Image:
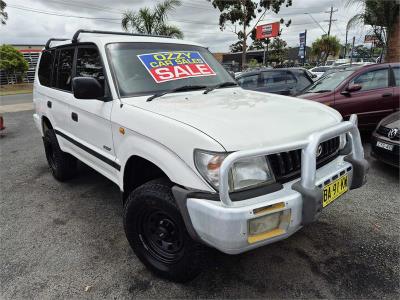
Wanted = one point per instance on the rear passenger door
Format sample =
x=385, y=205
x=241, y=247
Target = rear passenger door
x=60, y=94
x=90, y=119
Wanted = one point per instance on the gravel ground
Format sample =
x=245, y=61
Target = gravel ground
x=58, y=238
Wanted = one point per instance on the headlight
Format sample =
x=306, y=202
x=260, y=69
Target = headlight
x=245, y=173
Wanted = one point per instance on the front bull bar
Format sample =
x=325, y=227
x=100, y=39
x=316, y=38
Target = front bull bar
x=312, y=195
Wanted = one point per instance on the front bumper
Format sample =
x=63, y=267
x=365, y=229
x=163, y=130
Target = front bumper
x=224, y=224
x=386, y=156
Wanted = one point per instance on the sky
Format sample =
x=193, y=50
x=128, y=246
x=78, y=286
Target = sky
x=35, y=21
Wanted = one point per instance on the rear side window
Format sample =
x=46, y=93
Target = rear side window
x=64, y=72
x=45, y=68
x=277, y=78
x=248, y=81
x=88, y=64
x=396, y=72
x=372, y=80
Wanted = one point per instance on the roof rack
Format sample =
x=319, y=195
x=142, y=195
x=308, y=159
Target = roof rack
x=52, y=40
x=76, y=35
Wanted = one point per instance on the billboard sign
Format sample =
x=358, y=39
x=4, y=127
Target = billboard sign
x=370, y=38
x=267, y=30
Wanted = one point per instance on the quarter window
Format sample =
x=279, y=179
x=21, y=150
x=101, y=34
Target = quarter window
x=45, y=67
x=371, y=80
x=65, y=62
x=88, y=64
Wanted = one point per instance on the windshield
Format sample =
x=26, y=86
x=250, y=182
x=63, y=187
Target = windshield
x=329, y=82
x=150, y=68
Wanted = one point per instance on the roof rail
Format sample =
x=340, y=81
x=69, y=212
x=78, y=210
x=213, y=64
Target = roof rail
x=52, y=40
x=76, y=35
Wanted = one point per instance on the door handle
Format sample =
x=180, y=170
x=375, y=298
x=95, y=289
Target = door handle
x=387, y=95
x=49, y=104
x=74, y=116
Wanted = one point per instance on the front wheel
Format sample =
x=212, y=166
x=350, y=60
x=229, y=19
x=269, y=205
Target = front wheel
x=157, y=234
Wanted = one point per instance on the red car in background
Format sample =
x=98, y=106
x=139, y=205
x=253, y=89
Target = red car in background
x=372, y=92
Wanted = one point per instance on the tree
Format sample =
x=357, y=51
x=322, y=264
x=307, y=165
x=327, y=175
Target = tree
x=236, y=47
x=242, y=13
x=278, y=50
x=3, y=13
x=12, y=62
x=152, y=21
x=324, y=46
x=383, y=17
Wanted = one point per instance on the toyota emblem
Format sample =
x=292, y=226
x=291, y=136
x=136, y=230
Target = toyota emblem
x=319, y=150
x=392, y=133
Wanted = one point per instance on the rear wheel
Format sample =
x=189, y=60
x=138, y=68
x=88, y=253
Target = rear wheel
x=157, y=234
x=62, y=165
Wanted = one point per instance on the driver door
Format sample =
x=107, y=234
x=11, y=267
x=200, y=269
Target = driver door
x=90, y=119
x=372, y=102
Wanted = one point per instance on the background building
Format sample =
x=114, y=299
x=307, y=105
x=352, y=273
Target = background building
x=31, y=54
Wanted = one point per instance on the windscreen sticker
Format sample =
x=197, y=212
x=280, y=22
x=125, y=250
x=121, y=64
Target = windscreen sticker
x=174, y=65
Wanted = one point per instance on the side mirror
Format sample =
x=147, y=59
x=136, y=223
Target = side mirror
x=351, y=89
x=87, y=88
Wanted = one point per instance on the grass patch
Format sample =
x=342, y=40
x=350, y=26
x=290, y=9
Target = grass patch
x=15, y=89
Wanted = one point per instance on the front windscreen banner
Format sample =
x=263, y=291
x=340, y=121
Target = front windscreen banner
x=174, y=65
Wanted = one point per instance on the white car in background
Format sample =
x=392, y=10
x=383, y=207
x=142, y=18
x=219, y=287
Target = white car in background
x=319, y=71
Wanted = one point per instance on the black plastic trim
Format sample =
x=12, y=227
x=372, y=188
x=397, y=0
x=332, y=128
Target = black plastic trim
x=90, y=151
x=240, y=195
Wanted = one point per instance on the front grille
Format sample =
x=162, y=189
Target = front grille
x=287, y=165
x=382, y=130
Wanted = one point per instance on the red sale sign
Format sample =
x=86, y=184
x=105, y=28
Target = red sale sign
x=267, y=30
x=174, y=65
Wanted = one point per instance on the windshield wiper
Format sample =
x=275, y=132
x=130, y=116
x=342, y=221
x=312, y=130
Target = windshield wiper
x=178, y=89
x=221, y=85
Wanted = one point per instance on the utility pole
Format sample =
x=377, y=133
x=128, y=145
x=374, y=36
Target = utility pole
x=330, y=19
x=352, y=51
x=345, y=45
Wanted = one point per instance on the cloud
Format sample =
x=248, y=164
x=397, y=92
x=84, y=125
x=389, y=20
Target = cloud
x=198, y=20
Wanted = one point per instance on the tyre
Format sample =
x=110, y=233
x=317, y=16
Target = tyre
x=62, y=165
x=157, y=234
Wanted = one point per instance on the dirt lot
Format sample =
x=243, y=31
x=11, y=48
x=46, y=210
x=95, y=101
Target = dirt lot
x=57, y=238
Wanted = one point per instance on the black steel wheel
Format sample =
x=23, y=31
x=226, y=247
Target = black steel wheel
x=157, y=234
x=62, y=165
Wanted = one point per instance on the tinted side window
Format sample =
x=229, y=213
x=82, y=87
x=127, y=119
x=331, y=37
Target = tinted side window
x=88, y=64
x=65, y=62
x=248, y=81
x=45, y=68
x=373, y=80
x=277, y=77
x=396, y=72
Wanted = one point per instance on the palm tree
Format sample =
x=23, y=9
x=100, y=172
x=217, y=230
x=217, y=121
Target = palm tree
x=3, y=14
x=152, y=21
x=324, y=46
x=383, y=17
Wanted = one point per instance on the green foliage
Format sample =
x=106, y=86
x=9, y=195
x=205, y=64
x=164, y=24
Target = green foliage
x=3, y=13
x=152, y=21
x=236, y=47
x=253, y=63
x=12, y=61
x=278, y=50
x=242, y=13
x=324, y=46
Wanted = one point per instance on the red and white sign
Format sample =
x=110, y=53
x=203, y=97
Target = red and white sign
x=267, y=30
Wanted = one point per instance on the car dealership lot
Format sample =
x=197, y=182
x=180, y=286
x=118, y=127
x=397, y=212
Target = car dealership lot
x=56, y=239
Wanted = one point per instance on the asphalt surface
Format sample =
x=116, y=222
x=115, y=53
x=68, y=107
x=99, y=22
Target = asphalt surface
x=58, y=238
x=15, y=99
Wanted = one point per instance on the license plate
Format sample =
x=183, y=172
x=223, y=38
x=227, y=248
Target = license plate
x=334, y=190
x=384, y=146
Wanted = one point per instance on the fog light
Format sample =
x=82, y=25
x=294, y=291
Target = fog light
x=268, y=226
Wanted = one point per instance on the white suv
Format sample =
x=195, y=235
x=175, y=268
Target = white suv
x=199, y=161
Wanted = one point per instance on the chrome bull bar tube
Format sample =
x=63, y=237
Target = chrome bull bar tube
x=308, y=155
